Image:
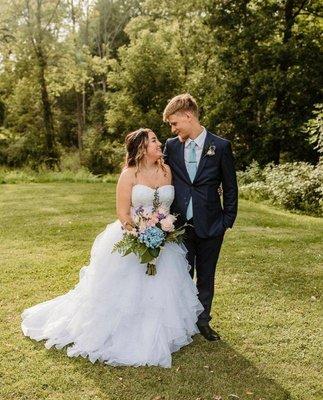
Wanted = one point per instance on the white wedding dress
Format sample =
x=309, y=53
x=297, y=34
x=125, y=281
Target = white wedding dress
x=118, y=314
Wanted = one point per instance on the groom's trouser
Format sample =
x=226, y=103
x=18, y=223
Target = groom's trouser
x=202, y=256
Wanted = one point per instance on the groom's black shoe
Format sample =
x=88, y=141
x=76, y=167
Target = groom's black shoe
x=208, y=333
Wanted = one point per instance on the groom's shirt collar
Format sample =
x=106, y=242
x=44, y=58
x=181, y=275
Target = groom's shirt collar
x=199, y=140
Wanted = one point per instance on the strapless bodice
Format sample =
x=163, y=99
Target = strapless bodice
x=143, y=195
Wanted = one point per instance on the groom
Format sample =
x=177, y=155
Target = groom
x=200, y=162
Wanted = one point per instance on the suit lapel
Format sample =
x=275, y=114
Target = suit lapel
x=207, y=142
x=181, y=160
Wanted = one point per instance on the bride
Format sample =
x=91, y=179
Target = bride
x=117, y=314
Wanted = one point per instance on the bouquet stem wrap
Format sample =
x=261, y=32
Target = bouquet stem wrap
x=151, y=269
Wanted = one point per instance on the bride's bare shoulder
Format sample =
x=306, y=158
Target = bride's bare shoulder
x=167, y=168
x=168, y=172
x=127, y=176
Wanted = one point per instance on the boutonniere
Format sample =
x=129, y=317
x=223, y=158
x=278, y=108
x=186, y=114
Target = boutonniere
x=210, y=151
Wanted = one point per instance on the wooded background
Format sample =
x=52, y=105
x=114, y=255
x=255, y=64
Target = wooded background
x=77, y=75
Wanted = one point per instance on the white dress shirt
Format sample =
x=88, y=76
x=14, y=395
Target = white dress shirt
x=198, y=148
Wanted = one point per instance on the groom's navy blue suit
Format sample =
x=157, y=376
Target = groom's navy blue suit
x=210, y=219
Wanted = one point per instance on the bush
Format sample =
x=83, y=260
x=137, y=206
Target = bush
x=70, y=160
x=13, y=148
x=28, y=175
x=294, y=186
x=102, y=156
x=253, y=173
x=17, y=150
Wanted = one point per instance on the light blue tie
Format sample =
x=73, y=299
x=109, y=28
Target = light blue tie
x=191, y=169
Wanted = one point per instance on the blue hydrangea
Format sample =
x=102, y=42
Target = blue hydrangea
x=152, y=237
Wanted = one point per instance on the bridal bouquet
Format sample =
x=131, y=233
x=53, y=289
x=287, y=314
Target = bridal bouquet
x=151, y=230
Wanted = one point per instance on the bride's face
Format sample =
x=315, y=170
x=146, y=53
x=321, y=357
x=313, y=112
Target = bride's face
x=153, y=150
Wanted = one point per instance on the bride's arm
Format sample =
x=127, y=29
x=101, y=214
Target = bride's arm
x=123, y=198
x=168, y=176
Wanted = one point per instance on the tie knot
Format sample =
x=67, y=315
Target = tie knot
x=192, y=144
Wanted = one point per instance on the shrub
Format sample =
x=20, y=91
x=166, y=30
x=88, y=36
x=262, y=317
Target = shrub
x=294, y=186
x=17, y=150
x=253, y=173
x=70, y=160
x=102, y=156
x=28, y=175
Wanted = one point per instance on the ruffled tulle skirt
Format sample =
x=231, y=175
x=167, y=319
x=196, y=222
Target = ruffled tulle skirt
x=116, y=313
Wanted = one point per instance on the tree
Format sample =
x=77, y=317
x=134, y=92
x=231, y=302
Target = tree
x=268, y=76
x=75, y=72
x=147, y=74
x=314, y=128
x=38, y=18
x=30, y=38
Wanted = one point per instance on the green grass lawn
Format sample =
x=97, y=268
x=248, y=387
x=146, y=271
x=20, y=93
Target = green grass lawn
x=267, y=305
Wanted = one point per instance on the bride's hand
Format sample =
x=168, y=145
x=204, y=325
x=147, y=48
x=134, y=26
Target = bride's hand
x=127, y=225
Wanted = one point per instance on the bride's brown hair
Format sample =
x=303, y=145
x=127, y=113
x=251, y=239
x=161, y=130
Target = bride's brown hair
x=136, y=144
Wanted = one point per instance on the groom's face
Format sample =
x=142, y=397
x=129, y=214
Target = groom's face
x=181, y=125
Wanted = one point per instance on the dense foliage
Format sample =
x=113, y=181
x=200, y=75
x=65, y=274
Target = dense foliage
x=294, y=186
x=79, y=74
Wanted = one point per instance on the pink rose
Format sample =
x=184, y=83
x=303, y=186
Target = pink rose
x=152, y=221
x=167, y=223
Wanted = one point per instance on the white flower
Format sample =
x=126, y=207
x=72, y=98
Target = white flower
x=210, y=151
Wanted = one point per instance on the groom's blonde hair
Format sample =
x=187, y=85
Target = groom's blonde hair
x=182, y=102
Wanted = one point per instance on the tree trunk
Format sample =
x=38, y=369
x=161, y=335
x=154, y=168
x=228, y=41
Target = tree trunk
x=80, y=98
x=80, y=124
x=51, y=151
x=52, y=155
x=282, y=104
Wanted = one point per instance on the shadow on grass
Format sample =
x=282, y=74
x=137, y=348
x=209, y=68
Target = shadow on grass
x=202, y=370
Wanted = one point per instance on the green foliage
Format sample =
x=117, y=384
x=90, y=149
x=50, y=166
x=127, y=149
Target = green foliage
x=17, y=150
x=267, y=78
x=26, y=175
x=22, y=137
x=148, y=74
x=177, y=235
x=96, y=111
x=110, y=66
x=70, y=161
x=101, y=155
x=130, y=244
x=253, y=173
x=294, y=186
x=314, y=127
x=105, y=29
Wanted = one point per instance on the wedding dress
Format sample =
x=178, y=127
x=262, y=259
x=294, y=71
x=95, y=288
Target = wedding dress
x=118, y=314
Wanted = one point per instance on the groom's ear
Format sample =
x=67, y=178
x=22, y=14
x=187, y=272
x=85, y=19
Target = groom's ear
x=188, y=115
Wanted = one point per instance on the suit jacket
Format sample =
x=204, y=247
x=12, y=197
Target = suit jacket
x=210, y=219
